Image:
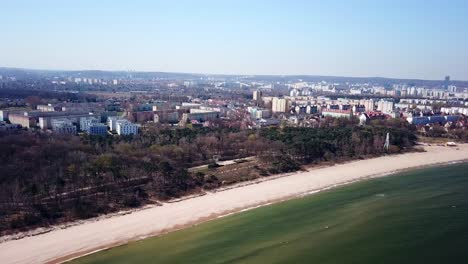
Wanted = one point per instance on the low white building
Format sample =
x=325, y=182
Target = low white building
x=259, y=113
x=46, y=108
x=112, y=122
x=3, y=115
x=337, y=113
x=87, y=122
x=188, y=106
x=125, y=127
x=201, y=115
x=454, y=110
x=63, y=126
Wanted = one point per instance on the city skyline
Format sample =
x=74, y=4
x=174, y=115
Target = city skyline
x=392, y=39
x=5, y=71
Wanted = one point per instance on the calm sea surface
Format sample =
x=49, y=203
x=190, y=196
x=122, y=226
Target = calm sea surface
x=414, y=217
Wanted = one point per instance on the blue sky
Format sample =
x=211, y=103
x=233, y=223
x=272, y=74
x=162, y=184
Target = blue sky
x=407, y=39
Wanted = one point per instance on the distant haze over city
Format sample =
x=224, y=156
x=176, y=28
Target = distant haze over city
x=41, y=73
x=396, y=39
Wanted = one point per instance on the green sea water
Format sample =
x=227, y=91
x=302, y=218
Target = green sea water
x=413, y=217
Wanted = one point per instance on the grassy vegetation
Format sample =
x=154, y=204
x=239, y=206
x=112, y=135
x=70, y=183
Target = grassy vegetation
x=417, y=217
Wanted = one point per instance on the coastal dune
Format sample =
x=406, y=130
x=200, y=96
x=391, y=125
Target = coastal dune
x=64, y=244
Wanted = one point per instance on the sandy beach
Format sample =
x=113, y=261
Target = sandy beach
x=64, y=244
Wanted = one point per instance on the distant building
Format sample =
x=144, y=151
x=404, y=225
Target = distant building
x=140, y=117
x=364, y=118
x=455, y=110
x=45, y=118
x=87, y=122
x=368, y=104
x=142, y=108
x=98, y=129
x=300, y=109
x=162, y=105
x=452, y=88
x=3, y=115
x=358, y=109
x=188, y=106
x=189, y=84
x=279, y=105
x=22, y=119
x=259, y=113
x=337, y=113
x=112, y=122
x=105, y=115
x=446, y=82
x=312, y=109
x=48, y=108
x=385, y=107
x=63, y=126
x=333, y=106
x=395, y=114
x=345, y=107
x=168, y=116
x=201, y=115
x=355, y=91
x=294, y=92
x=125, y=127
x=257, y=95
x=266, y=123
x=425, y=120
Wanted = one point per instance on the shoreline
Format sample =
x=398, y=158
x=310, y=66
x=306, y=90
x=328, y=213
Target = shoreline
x=245, y=209
x=61, y=245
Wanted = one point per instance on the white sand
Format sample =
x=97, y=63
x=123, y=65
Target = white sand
x=63, y=244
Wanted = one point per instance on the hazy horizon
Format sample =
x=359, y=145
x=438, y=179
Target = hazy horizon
x=389, y=39
x=223, y=74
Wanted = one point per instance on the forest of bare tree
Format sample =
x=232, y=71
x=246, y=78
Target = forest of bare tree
x=47, y=179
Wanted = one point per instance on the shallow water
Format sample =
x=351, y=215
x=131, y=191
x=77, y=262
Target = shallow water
x=413, y=217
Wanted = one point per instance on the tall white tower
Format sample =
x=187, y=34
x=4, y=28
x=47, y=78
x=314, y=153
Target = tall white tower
x=387, y=142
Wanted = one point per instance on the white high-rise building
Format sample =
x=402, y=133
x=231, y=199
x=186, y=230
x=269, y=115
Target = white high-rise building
x=294, y=93
x=385, y=107
x=3, y=115
x=125, y=127
x=279, y=105
x=112, y=122
x=452, y=88
x=257, y=95
x=368, y=104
